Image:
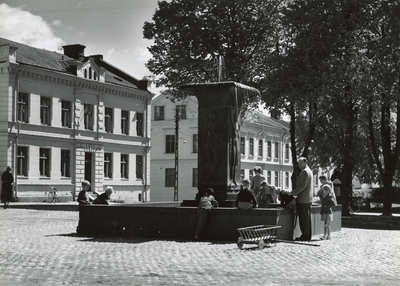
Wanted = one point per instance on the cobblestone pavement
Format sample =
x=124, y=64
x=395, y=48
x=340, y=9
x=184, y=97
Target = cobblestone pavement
x=41, y=247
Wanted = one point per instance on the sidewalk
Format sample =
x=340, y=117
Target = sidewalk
x=41, y=248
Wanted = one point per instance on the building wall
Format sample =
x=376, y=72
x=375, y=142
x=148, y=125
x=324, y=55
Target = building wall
x=160, y=160
x=34, y=135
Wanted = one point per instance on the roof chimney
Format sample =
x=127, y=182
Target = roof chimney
x=75, y=51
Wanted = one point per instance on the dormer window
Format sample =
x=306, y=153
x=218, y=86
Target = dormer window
x=90, y=73
x=85, y=73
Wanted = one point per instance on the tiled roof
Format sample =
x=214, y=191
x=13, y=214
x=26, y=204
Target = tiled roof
x=38, y=57
x=55, y=61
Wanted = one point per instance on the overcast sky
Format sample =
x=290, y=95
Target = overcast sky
x=113, y=28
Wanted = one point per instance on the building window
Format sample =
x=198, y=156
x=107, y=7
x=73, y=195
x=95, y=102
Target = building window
x=90, y=73
x=276, y=179
x=287, y=152
x=44, y=162
x=85, y=73
x=170, y=144
x=124, y=166
x=276, y=150
x=66, y=112
x=23, y=107
x=169, y=177
x=108, y=119
x=22, y=161
x=181, y=109
x=125, y=122
x=251, y=147
x=139, y=167
x=242, y=150
x=260, y=148
x=241, y=175
x=269, y=177
x=65, y=163
x=140, y=124
x=195, y=178
x=95, y=75
x=159, y=113
x=251, y=174
x=45, y=107
x=286, y=180
x=195, y=143
x=269, y=145
x=88, y=116
x=108, y=165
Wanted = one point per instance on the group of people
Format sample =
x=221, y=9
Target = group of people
x=258, y=193
x=84, y=196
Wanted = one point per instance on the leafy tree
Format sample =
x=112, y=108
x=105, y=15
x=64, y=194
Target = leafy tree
x=324, y=63
x=383, y=98
x=192, y=38
x=319, y=74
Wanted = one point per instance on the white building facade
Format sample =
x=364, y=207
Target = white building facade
x=66, y=117
x=265, y=142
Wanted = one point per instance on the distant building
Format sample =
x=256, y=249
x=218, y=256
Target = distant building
x=69, y=117
x=264, y=142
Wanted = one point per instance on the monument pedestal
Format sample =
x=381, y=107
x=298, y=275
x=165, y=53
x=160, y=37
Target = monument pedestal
x=220, y=115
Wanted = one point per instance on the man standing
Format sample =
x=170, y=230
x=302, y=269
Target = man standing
x=304, y=193
x=7, y=187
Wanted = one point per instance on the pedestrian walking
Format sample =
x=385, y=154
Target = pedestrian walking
x=207, y=202
x=7, y=187
x=326, y=210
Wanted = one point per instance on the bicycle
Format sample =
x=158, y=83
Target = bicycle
x=52, y=195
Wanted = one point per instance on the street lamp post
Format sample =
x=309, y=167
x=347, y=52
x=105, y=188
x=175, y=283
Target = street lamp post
x=177, y=118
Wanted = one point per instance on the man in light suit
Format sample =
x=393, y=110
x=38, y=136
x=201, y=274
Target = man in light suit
x=304, y=193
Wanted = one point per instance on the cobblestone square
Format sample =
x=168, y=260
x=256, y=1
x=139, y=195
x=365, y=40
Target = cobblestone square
x=40, y=247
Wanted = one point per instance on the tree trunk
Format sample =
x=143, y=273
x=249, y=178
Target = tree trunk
x=347, y=175
x=296, y=169
x=387, y=196
x=347, y=188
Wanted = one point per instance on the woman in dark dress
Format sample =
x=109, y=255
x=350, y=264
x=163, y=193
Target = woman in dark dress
x=6, y=188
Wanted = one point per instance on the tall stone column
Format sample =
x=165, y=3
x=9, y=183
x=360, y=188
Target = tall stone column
x=219, y=115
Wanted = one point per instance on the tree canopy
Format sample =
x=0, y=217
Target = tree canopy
x=191, y=38
x=332, y=66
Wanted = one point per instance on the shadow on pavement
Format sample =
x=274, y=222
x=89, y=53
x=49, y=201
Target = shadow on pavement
x=112, y=239
x=126, y=239
x=370, y=221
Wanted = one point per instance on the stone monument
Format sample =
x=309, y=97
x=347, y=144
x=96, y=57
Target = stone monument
x=219, y=115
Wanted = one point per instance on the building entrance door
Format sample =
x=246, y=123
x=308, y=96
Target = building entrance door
x=88, y=167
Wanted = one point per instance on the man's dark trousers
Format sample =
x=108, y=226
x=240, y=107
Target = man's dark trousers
x=304, y=211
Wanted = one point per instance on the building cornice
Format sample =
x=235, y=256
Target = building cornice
x=72, y=81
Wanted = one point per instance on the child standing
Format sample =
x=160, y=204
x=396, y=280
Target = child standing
x=207, y=202
x=326, y=210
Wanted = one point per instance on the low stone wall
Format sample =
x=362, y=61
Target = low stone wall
x=169, y=222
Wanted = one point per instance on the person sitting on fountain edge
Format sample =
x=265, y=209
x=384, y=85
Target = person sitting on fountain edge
x=207, y=202
x=246, y=198
x=105, y=197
